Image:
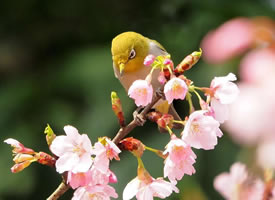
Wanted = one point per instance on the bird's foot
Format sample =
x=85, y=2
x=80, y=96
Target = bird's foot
x=160, y=93
x=139, y=119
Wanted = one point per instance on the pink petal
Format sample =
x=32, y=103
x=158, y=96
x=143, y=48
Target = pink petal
x=131, y=189
x=83, y=164
x=175, y=89
x=230, y=39
x=162, y=188
x=86, y=143
x=66, y=162
x=141, y=92
x=145, y=193
x=60, y=145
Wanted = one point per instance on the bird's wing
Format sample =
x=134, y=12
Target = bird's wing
x=156, y=48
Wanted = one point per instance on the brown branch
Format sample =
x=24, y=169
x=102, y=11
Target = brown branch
x=124, y=131
x=62, y=188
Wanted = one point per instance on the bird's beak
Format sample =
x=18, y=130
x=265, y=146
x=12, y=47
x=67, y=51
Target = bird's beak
x=121, y=68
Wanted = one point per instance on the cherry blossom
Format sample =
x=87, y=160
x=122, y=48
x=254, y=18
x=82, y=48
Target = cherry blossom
x=79, y=179
x=74, y=151
x=92, y=192
x=230, y=39
x=141, y=91
x=175, y=88
x=238, y=185
x=224, y=92
x=180, y=160
x=147, y=190
x=263, y=154
x=18, y=147
x=103, y=154
x=201, y=131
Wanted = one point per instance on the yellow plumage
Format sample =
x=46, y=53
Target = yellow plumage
x=129, y=50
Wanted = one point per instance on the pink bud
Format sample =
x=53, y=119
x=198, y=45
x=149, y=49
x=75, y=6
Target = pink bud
x=149, y=60
x=112, y=177
x=161, y=78
x=18, y=147
x=20, y=166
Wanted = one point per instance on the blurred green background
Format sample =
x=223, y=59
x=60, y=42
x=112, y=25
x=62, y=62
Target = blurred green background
x=56, y=68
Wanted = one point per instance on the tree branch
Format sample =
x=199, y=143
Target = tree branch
x=62, y=188
x=124, y=131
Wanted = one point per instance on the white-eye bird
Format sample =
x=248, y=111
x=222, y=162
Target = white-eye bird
x=129, y=50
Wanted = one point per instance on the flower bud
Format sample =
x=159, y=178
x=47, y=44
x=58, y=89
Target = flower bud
x=133, y=145
x=20, y=166
x=117, y=108
x=45, y=159
x=165, y=120
x=188, y=62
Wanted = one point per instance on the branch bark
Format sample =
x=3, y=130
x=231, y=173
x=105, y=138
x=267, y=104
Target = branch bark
x=124, y=131
x=62, y=188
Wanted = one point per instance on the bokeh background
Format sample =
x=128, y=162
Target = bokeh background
x=56, y=68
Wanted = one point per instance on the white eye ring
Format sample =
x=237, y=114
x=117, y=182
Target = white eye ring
x=132, y=54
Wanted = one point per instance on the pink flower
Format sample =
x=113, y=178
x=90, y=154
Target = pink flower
x=161, y=78
x=238, y=185
x=18, y=147
x=111, y=149
x=258, y=66
x=180, y=160
x=79, y=179
x=175, y=88
x=101, y=161
x=263, y=154
x=92, y=192
x=141, y=91
x=169, y=62
x=224, y=92
x=230, y=39
x=74, y=151
x=251, y=117
x=201, y=131
x=147, y=190
x=112, y=177
x=149, y=60
x=105, y=150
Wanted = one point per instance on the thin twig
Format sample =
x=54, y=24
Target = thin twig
x=124, y=131
x=62, y=188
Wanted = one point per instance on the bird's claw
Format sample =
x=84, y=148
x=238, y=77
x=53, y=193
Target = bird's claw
x=139, y=119
x=160, y=93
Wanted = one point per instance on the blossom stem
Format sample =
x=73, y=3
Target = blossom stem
x=156, y=151
x=197, y=88
x=189, y=99
x=198, y=95
x=169, y=130
x=179, y=122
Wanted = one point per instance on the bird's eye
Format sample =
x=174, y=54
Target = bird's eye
x=132, y=54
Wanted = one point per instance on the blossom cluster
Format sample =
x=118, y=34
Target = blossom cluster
x=251, y=116
x=85, y=167
x=240, y=184
x=201, y=127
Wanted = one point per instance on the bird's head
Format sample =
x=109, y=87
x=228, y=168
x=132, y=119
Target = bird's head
x=128, y=51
